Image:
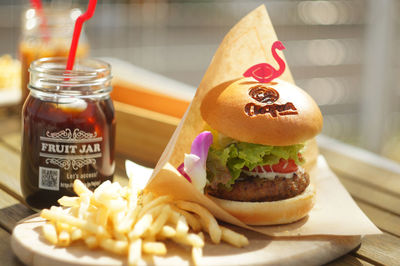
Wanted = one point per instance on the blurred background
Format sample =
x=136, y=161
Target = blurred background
x=344, y=53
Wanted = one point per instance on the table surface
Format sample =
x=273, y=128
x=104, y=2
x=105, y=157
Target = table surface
x=373, y=181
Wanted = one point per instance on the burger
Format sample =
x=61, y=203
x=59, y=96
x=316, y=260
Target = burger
x=256, y=163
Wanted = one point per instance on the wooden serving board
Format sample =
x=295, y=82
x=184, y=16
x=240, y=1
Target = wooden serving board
x=32, y=249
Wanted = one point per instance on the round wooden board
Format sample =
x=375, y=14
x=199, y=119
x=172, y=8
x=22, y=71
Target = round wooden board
x=31, y=248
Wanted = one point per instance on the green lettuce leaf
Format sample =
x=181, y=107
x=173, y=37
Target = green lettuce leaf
x=224, y=164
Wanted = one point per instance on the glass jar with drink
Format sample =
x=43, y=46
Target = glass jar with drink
x=68, y=129
x=47, y=34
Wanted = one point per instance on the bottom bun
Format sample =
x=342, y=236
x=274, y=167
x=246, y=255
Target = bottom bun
x=270, y=212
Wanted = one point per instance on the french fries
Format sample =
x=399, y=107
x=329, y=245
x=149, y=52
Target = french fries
x=10, y=75
x=233, y=238
x=50, y=233
x=211, y=225
x=130, y=222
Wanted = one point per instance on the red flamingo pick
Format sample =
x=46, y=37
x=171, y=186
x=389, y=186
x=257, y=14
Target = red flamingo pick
x=264, y=72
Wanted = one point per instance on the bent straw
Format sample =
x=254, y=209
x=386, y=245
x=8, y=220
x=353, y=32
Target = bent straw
x=37, y=5
x=77, y=32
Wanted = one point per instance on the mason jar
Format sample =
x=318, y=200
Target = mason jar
x=68, y=129
x=47, y=35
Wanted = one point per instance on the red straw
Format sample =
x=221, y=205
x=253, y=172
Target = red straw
x=37, y=5
x=77, y=32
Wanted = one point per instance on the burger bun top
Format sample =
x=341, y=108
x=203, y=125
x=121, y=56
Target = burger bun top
x=276, y=113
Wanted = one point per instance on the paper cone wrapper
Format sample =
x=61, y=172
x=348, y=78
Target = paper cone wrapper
x=248, y=43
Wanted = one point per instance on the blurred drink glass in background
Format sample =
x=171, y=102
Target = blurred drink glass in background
x=49, y=39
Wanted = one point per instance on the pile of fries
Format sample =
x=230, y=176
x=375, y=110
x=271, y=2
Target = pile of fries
x=128, y=221
x=10, y=74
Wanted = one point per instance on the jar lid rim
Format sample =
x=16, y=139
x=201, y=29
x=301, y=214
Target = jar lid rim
x=58, y=64
x=89, y=76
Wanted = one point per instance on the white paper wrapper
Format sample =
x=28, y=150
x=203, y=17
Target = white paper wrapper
x=247, y=44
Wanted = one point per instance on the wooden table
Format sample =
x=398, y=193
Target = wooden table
x=373, y=181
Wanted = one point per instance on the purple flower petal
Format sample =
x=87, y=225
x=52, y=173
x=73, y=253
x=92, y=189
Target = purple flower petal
x=194, y=166
x=201, y=144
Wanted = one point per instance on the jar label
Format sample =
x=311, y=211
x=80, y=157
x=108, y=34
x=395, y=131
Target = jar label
x=69, y=150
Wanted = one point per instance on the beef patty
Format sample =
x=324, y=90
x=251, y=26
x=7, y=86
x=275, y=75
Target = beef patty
x=262, y=189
